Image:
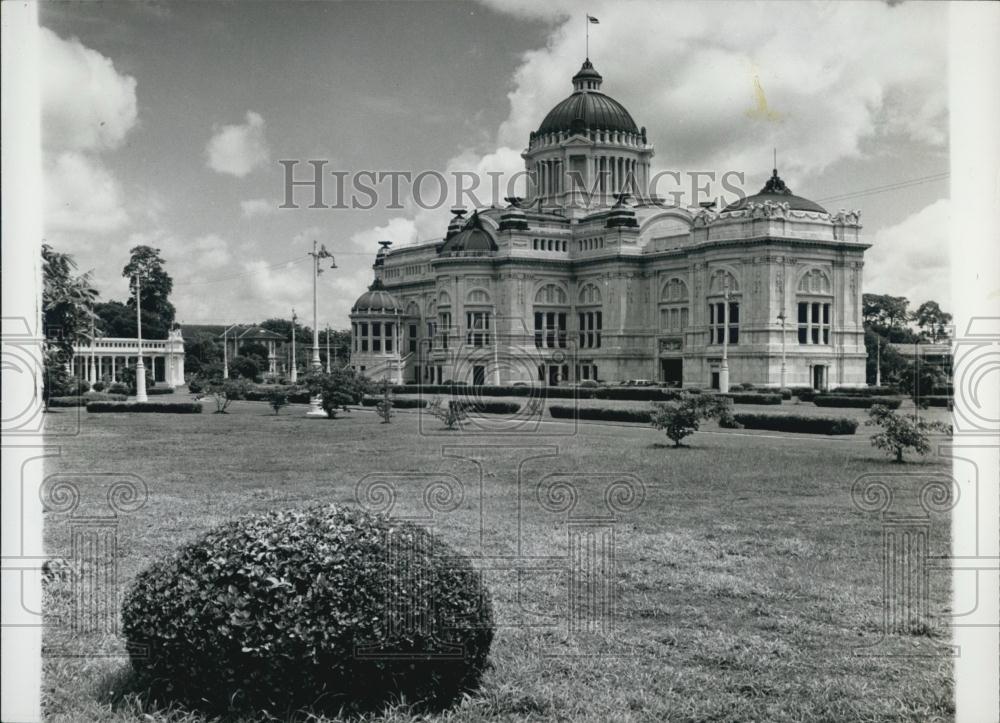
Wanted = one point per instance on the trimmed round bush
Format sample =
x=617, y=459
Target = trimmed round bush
x=325, y=608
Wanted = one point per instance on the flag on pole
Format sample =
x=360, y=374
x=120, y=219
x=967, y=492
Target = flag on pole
x=593, y=20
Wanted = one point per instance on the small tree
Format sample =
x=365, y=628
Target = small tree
x=900, y=432
x=277, y=399
x=384, y=406
x=681, y=418
x=336, y=390
x=452, y=414
x=225, y=392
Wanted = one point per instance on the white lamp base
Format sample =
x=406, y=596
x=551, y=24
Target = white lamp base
x=316, y=407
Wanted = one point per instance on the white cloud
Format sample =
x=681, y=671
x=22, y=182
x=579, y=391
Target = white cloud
x=258, y=207
x=238, y=149
x=911, y=259
x=87, y=105
x=81, y=195
x=690, y=69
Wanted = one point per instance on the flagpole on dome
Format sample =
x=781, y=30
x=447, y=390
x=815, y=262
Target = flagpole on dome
x=591, y=20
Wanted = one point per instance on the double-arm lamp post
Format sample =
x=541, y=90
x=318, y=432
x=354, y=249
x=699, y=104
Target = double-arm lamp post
x=315, y=402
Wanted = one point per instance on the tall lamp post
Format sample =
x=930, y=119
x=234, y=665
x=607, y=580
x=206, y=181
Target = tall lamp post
x=878, y=361
x=294, y=376
x=315, y=403
x=724, y=367
x=781, y=318
x=225, y=350
x=327, y=348
x=140, y=368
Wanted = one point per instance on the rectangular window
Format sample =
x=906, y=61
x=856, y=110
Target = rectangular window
x=814, y=323
x=445, y=317
x=477, y=328
x=413, y=338
x=376, y=329
x=717, y=322
x=377, y=343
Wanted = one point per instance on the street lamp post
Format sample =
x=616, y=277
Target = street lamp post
x=315, y=402
x=878, y=361
x=92, y=376
x=295, y=370
x=327, y=348
x=781, y=318
x=225, y=350
x=140, y=368
x=724, y=367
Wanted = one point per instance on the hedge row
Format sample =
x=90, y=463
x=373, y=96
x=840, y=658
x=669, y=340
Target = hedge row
x=397, y=403
x=262, y=393
x=937, y=400
x=753, y=398
x=159, y=390
x=641, y=394
x=804, y=394
x=83, y=399
x=601, y=414
x=797, y=423
x=163, y=407
x=863, y=392
x=833, y=400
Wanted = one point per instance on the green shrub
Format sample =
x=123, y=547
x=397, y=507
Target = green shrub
x=746, y=385
x=589, y=384
x=857, y=402
x=872, y=391
x=682, y=417
x=277, y=400
x=117, y=388
x=785, y=393
x=451, y=414
x=900, y=432
x=195, y=385
x=603, y=414
x=83, y=399
x=100, y=385
x=162, y=407
x=154, y=391
x=796, y=423
x=226, y=391
x=324, y=608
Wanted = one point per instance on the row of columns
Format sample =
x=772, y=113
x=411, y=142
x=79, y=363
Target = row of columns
x=96, y=367
x=613, y=173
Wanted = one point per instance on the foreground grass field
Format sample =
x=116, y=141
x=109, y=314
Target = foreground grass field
x=749, y=588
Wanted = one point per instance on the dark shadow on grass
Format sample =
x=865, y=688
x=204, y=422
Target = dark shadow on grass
x=127, y=692
x=661, y=445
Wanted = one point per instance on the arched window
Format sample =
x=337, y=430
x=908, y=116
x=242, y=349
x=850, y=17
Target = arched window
x=814, y=281
x=551, y=294
x=477, y=296
x=444, y=319
x=550, y=319
x=814, y=307
x=674, y=306
x=590, y=295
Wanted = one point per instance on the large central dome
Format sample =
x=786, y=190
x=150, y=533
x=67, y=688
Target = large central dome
x=588, y=108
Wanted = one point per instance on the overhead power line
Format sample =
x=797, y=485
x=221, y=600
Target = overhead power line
x=898, y=185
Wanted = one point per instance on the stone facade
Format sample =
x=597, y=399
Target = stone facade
x=581, y=283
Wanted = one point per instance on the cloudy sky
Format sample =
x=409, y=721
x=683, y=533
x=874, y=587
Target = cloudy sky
x=165, y=124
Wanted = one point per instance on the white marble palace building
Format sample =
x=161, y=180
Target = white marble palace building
x=589, y=278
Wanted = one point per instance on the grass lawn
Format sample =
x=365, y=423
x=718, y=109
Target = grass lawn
x=749, y=588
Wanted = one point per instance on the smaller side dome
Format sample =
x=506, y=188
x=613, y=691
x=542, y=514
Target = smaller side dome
x=473, y=240
x=377, y=300
x=776, y=191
